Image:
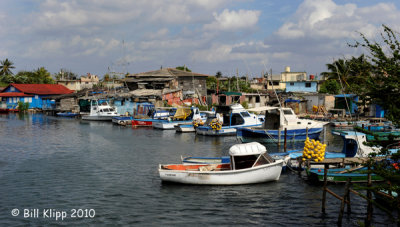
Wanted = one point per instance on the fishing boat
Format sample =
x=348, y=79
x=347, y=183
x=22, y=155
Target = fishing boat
x=67, y=114
x=280, y=123
x=227, y=120
x=150, y=114
x=100, y=110
x=249, y=164
x=183, y=115
x=340, y=175
x=191, y=127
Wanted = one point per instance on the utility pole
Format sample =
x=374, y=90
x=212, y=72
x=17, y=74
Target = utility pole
x=237, y=79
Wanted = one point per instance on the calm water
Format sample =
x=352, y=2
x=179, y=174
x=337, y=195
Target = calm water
x=65, y=164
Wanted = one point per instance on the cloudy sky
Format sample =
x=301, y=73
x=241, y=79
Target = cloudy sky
x=250, y=36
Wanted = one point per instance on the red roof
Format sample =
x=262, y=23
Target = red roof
x=42, y=89
x=14, y=94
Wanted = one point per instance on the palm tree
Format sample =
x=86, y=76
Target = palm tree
x=339, y=69
x=5, y=67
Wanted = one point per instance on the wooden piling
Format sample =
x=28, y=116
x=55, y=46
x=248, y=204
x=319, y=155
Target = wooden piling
x=344, y=200
x=284, y=146
x=369, y=197
x=326, y=167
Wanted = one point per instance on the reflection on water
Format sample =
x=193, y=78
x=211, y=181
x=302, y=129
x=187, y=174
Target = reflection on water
x=59, y=163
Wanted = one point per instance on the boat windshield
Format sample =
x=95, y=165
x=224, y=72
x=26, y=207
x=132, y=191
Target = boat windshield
x=245, y=114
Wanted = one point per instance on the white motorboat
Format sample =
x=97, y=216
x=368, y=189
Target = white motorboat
x=100, y=111
x=249, y=164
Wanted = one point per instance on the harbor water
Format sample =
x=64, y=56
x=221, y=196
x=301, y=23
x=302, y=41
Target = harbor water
x=102, y=174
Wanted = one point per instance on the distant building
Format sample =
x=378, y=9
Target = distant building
x=176, y=85
x=32, y=94
x=299, y=81
x=275, y=82
x=84, y=82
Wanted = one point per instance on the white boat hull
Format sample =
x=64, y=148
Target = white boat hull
x=97, y=118
x=259, y=174
x=168, y=125
x=211, y=132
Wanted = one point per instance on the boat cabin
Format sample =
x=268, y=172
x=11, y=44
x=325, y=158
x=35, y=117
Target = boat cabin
x=249, y=155
x=233, y=115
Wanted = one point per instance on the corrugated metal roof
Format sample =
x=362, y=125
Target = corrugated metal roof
x=42, y=89
x=14, y=94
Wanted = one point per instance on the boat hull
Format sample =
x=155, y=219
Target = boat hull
x=247, y=135
x=208, y=131
x=335, y=177
x=168, y=125
x=259, y=174
x=97, y=118
x=185, y=128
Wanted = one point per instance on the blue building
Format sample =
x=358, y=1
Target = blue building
x=302, y=86
x=30, y=93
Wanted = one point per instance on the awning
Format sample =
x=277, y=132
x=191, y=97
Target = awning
x=229, y=93
x=243, y=149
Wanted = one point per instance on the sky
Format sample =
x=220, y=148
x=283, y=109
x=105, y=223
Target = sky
x=230, y=36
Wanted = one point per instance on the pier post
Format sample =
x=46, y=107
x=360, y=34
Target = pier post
x=284, y=146
x=279, y=139
x=369, y=197
x=326, y=167
x=324, y=139
x=343, y=202
x=306, y=132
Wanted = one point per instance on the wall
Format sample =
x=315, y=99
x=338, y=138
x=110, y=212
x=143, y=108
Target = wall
x=301, y=86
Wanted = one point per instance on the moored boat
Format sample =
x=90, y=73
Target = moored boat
x=277, y=121
x=341, y=175
x=227, y=120
x=183, y=115
x=100, y=111
x=249, y=164
x=67, y=114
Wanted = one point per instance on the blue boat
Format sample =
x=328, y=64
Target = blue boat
x=229, y=119
x=67, y=114
x=277, y=120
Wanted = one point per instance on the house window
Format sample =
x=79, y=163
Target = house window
x=12, y=88
x=308, y=84
x=36, y=97
x=291, y=84
x=29, y=99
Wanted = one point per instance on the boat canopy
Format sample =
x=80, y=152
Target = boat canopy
x=182, y=113
x=253, y=148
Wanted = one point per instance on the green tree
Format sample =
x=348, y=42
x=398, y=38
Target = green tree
x=218, y=75
x=183, y=68
x=5, y=67
x=339, y=70
x=211, y=83
x=384, y=81
x=65, y=74
x=330, y=87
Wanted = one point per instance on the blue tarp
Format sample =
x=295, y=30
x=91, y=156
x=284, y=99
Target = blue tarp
x=292, y=100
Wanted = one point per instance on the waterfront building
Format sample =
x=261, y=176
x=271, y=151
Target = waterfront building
x=176, y=86
x=33, y=94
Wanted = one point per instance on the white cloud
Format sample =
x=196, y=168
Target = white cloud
x=225, y=52
x=234, y=20
x=327, y=19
